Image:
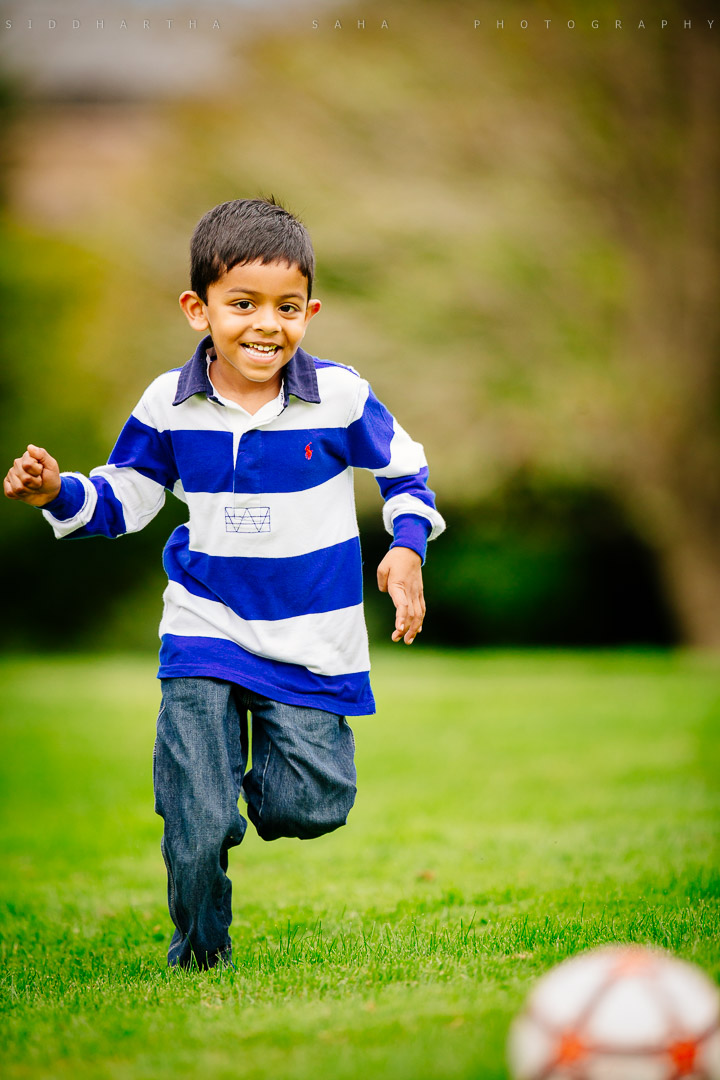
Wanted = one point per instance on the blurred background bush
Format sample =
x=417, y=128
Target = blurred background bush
x=517, y=237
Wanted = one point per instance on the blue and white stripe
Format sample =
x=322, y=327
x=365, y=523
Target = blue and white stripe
x=264, y=579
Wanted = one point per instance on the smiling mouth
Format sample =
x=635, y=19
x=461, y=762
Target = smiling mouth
x=253, y=348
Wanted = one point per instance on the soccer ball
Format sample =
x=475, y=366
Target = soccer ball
x=620, y=1012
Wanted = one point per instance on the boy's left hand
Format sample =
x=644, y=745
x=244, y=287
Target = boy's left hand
x=400, y=574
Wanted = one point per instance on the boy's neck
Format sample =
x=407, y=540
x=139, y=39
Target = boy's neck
x=252, y=396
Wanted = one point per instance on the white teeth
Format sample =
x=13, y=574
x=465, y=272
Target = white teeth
x=260, y=348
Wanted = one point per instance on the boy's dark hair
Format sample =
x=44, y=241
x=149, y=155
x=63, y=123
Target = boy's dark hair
x=247, y=230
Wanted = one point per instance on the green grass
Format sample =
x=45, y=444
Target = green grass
x=512, y=810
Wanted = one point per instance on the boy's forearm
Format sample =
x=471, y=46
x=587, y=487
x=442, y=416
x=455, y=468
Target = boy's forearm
x=411, y=531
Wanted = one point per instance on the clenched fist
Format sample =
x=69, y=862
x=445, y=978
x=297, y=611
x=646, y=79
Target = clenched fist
x=34, y=478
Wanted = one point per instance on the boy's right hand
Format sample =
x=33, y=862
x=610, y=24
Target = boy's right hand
x=34, y=478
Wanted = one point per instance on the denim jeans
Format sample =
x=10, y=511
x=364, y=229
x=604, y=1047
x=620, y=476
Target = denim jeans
x=301, y=783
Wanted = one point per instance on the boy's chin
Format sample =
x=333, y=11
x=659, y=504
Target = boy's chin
x=261, y=378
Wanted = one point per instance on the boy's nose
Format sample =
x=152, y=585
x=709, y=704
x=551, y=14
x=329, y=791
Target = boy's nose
x=266, y=319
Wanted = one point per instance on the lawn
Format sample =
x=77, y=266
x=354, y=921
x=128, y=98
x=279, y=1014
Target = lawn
x=512, y=810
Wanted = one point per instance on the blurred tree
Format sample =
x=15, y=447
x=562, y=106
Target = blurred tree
x=663, y=209
x=635, y=151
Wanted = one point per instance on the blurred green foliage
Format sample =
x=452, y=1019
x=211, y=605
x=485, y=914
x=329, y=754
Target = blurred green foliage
x=517, y=236
x=539, y=562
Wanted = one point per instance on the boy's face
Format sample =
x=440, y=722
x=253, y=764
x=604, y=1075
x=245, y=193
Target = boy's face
x=257, y=314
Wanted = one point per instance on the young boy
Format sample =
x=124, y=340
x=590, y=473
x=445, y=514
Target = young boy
x=263, y=607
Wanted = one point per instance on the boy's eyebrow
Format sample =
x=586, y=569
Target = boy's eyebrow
x=252, y=292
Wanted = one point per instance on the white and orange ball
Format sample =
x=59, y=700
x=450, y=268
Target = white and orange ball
x=620, y=1012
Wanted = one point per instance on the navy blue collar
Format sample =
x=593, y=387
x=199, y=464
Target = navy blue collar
x=299, y=377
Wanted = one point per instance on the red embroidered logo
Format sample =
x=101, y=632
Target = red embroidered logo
x=308, y=451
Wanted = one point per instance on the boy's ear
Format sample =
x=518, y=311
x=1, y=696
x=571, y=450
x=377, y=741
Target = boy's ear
x=194, y=310
x=312, y=309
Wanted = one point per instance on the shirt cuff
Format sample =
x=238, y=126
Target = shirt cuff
x=411, y=531
x=70, y=500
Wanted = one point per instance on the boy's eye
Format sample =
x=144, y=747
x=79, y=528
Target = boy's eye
x=288, y=309
x=244, y=305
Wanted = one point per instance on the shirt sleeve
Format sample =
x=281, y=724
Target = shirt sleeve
x=124, y=495
x=377, y=442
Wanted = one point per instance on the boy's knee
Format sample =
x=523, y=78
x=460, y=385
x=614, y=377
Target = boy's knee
x=299, y=817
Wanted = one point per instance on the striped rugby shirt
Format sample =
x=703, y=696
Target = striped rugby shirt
x=264, y=580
